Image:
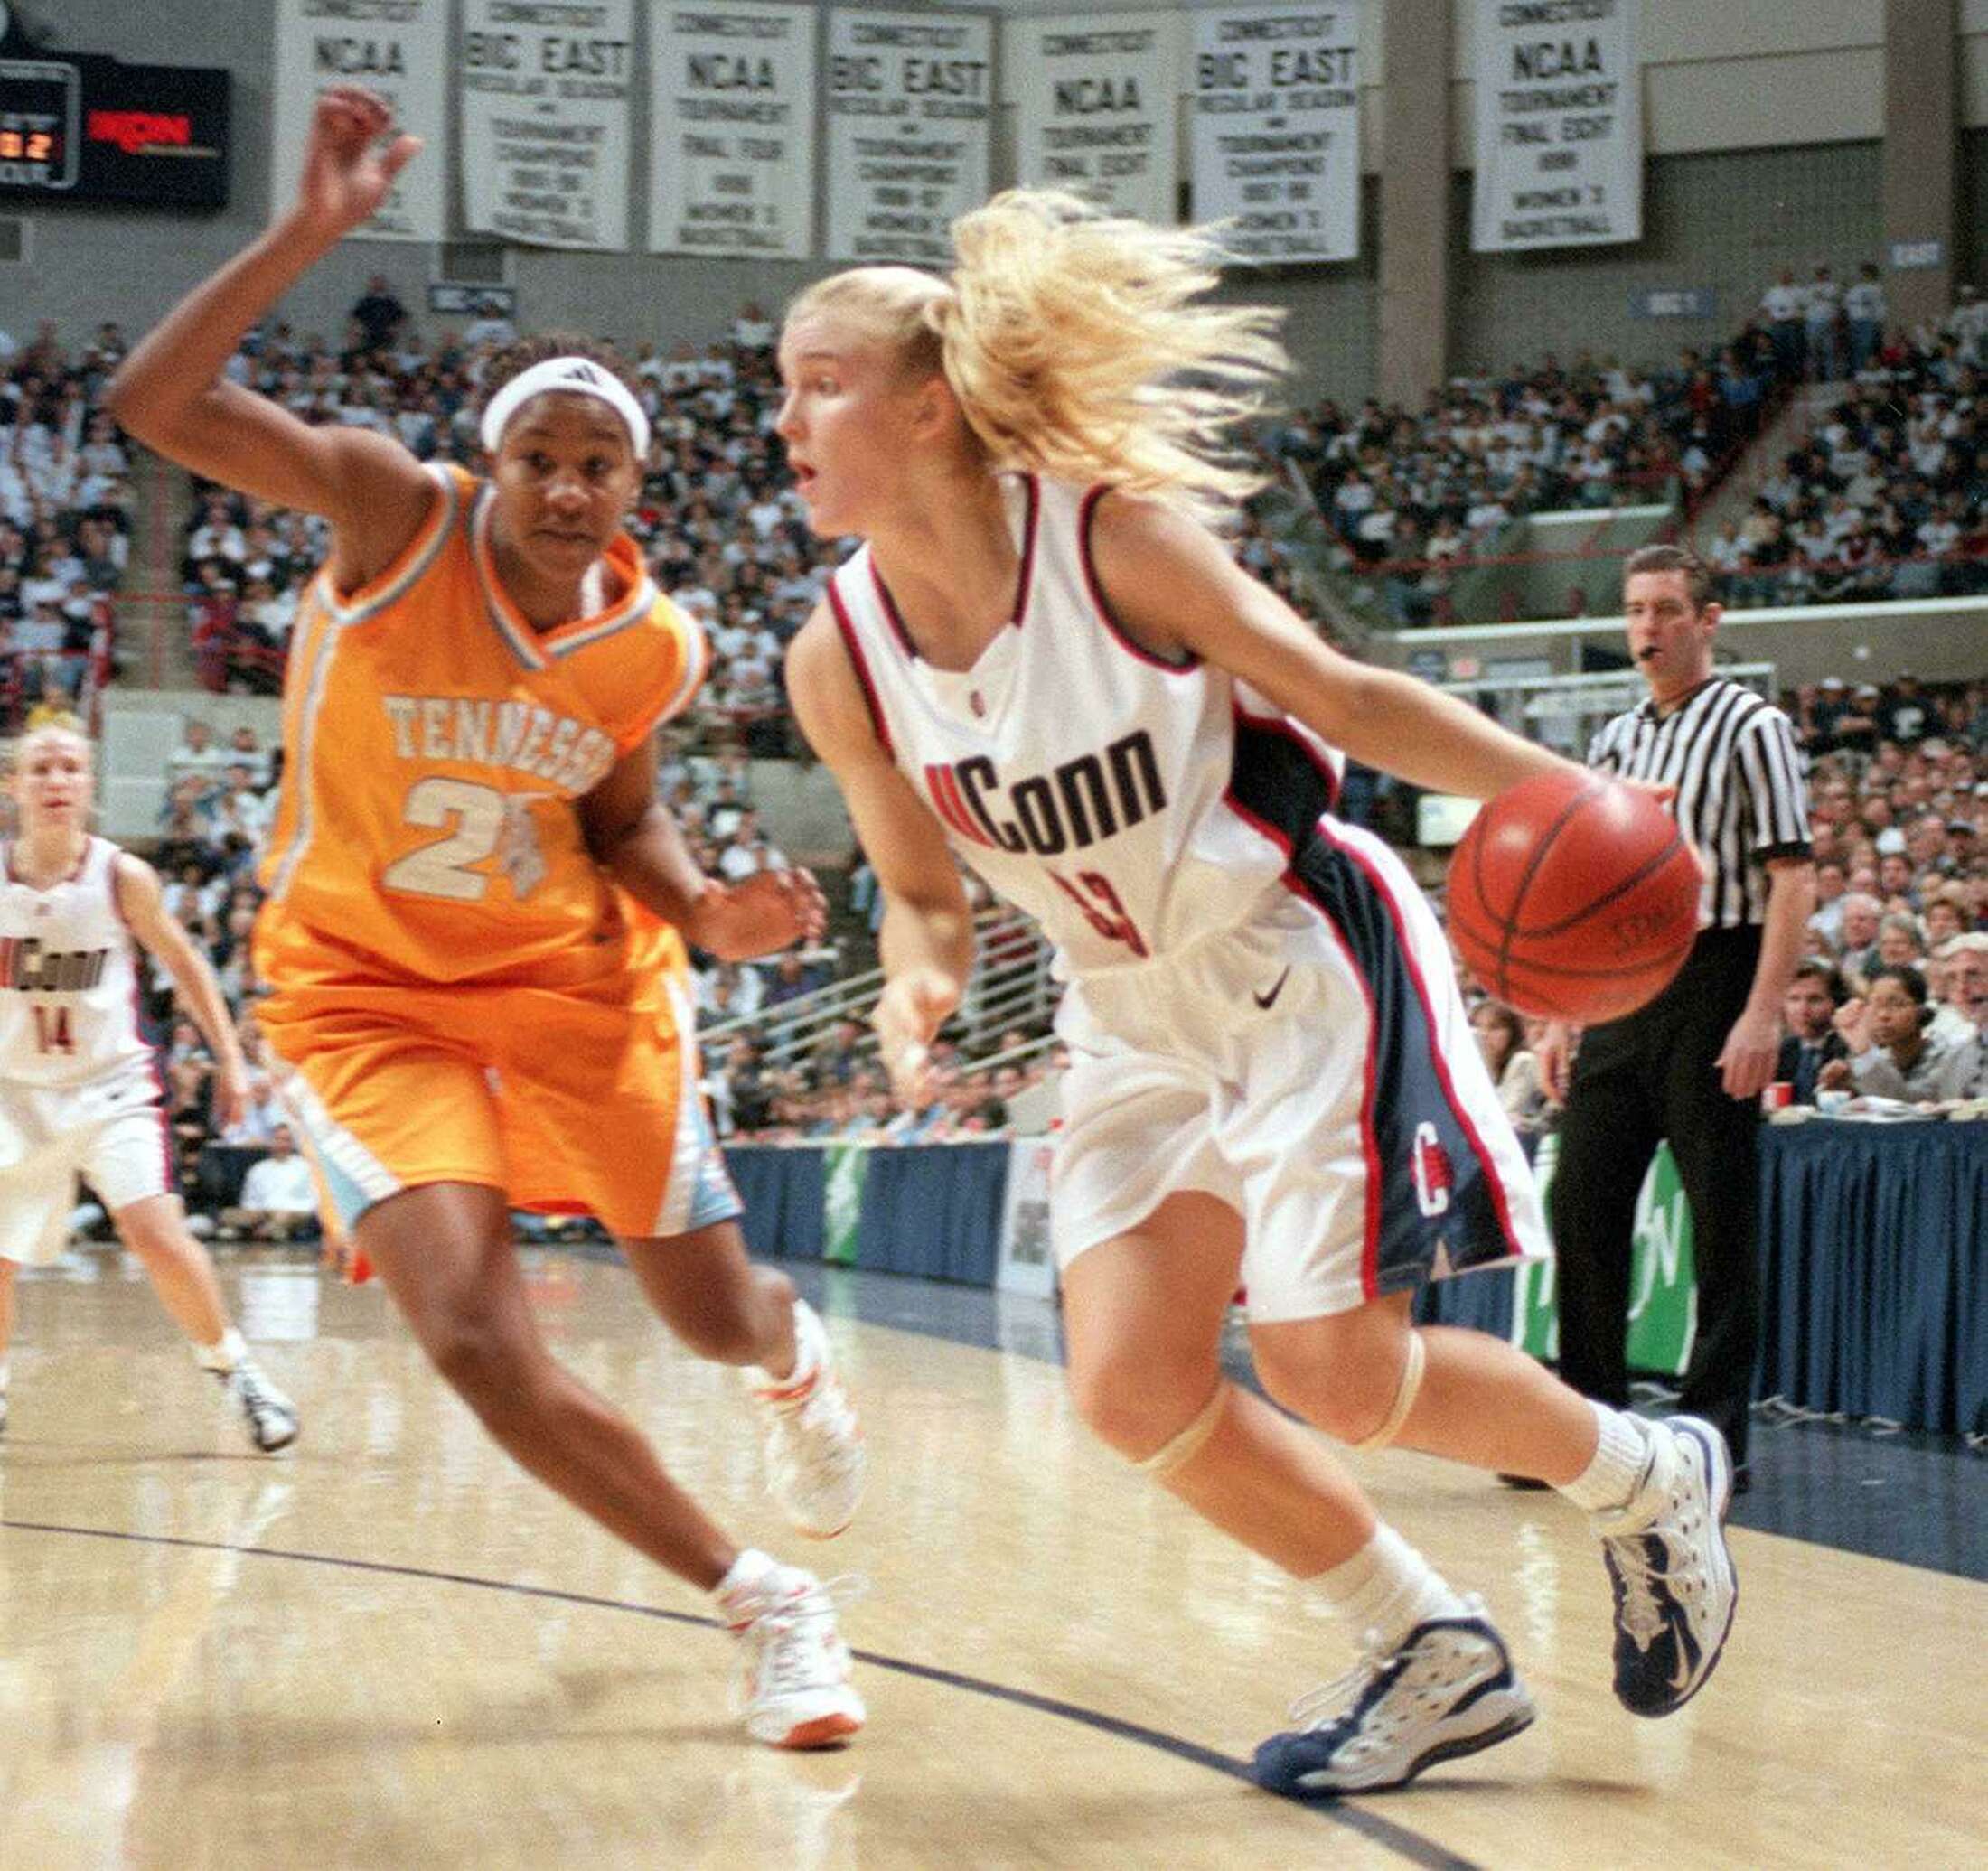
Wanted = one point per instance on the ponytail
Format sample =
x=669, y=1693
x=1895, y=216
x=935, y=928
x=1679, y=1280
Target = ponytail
x=1075, y=347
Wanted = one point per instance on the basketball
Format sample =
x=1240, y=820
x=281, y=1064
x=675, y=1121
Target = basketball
x=1573, y=897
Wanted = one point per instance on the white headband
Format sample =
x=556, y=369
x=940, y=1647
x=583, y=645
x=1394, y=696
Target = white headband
x=580, y=375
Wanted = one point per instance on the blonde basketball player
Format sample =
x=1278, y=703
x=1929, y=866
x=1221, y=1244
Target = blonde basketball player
x=1042, y=659
x=473, y=898
x=79, y=1088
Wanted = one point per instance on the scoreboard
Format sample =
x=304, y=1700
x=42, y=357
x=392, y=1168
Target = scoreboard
x=79, y=126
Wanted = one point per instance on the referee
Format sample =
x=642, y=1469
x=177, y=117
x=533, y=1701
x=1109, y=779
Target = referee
x=1689, y=1067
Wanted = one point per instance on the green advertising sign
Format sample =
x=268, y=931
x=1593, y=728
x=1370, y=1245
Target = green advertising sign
x=844, y=1168
x=1662, y=1294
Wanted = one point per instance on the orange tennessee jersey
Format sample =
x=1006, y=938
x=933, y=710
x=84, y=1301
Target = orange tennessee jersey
x=436, y=745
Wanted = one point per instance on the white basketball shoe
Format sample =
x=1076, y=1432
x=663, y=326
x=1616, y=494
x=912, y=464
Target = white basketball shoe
x=794, y=1688
x=815, y=1458
x=1676, y=1589
x=1449, y=1689
x=268, y=1415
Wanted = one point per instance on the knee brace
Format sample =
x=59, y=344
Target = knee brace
x=1184, y=1446
x=1405, y=1397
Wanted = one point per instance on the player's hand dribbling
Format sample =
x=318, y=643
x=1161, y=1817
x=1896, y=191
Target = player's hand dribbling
x=347, y=169
x=760, y=915
x=911, y=1010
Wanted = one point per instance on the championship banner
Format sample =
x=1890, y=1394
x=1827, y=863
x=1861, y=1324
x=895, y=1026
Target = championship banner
x=732, y=130
x=910, y=104
x=399, y=48
x=1274, y=146
x=545, y=102
x=1560, y=126
x=1096, y=103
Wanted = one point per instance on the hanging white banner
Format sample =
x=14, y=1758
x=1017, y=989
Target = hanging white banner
x=546, y=88
x=1560, y=125
x=399, y=48
x=1274, y=146
x=1097, y=102
x=910, y=112
x=731, y=130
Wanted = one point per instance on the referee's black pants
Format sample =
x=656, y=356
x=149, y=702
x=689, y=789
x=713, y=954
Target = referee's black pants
x=1637, y=1080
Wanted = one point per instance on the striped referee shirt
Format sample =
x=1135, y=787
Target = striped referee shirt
x=1740, y=797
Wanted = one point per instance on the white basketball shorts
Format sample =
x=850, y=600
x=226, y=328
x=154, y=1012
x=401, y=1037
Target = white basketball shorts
x=1315, y=1069
x=112, y=1135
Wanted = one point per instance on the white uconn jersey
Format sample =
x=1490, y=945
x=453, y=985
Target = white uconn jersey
x=1121, y=800
x=69, y=1010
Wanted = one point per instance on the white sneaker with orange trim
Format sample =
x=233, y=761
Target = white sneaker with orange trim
x=794, y=1688
x=815, y=1458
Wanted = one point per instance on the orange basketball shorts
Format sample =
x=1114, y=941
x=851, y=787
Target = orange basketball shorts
x=568, y=1099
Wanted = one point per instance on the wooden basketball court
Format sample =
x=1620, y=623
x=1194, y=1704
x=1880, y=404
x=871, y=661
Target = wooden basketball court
x=391, y=1649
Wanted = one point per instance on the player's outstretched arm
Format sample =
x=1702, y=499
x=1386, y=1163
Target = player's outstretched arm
x=927, y=935
x=1172, y=585
x=170, y=392
x=159, y=933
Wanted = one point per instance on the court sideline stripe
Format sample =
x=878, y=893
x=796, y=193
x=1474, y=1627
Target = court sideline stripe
x=1407, y=1845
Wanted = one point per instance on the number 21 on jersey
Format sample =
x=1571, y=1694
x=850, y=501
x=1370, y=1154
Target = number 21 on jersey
x=475, y=822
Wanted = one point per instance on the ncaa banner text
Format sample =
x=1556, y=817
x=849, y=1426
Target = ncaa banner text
x=1096, y=103
x=1560, y=125
x=399, y=48
x=732, y=130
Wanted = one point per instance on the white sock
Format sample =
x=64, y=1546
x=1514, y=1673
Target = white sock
x=3, y=1377
x=737, y=1590
x=226, y=1352
x=1387, y=1588
x=1621, y=1464
x=805, y=1362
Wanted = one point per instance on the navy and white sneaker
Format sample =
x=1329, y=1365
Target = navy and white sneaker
x=1449, y=1689
x=1672, y=1570
x=266, y=1414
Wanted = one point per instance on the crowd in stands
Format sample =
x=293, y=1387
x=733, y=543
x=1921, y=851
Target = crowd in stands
x=1888, y=496
x=65, y=505
x=1892, y=1001
x=1413, y=498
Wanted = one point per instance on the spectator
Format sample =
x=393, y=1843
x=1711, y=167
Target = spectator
x=379, y=314
x=1961, y=1016
x=1782, y=306
x=1501, y=1039
x=278, y=1196
x=1822, y=318
x=1809, y=1006
x=1892, y=1053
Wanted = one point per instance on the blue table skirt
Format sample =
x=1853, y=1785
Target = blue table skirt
x=1874, y=1253
x=1874, y=1250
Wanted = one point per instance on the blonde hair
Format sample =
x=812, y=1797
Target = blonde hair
x=1073, y=344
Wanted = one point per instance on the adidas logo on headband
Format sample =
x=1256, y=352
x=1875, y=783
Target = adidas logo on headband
x=578, y=374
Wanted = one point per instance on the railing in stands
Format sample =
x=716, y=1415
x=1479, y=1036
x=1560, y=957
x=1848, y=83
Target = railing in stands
x=1010, y=986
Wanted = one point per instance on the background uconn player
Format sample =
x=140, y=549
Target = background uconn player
x=1041, y=658
x=79, y=1085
